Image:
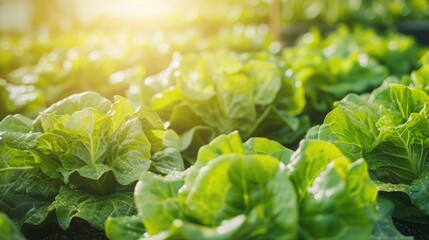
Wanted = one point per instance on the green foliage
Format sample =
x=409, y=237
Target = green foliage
x=220, y=92
x=8, y=230
x=390, y=130
x=80, y=158
x=374, y=13
x=20, y=98
x=346, y=61
x=385, y=229
x=55, y=67
x=255, y=190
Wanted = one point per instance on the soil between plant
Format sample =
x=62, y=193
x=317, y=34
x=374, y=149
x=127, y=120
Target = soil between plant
x=79, y=230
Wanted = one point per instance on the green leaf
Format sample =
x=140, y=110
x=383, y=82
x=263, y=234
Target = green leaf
x=119, y=112
x=418, y=192
x=266, y=80
x=77, y=102
x=385, y=229
x=86, y=132
x=124, y=228
x=225, y=91
x=404, y=102
x=24, y=190
x=165, y=101
x=309, y=160
x=336, y=197
x=263, y=146
x=243, y=183
x=232, y=108
x=187, y=230
x=87, y=144
x=8, y=230
x=222, y=62
x=93, y=149
x=128, y=152
x=156, y=200
x=351, y=126
x=390, y=130
x=168, y=160
x=268, y=147
x=222, y=144
x=16, y=131
x=149, y=119
x=282, y=126
x=94, y=209
x=181, y=124
x=353, y=194
x=192, y=140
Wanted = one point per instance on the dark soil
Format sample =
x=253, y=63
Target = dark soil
x=417, y=230
x=79, y=230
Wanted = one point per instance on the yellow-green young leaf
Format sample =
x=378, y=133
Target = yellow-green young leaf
x=253, y=185
x=225, y=91
x=124, y=228
x=339, y=204
x=157, y=202
x=128, y=152
x=266, y=80
x=79, y=101
x=120, y=111
x=309, y=160
x=188, y=230
x=336, y=197
x=222, y=144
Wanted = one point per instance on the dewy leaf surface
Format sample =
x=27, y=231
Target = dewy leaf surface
x=80, y=158
x=93, y=209
x=25, y=191
x=15, y=130
x=351, y=126
x=129, y=152
x=385, y=228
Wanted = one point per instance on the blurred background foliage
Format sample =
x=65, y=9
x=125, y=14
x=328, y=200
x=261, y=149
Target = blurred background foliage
x=50, y=49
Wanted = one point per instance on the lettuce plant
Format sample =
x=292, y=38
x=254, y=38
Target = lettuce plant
x=390, y=129
x=203, y=95
x=254, y=190
x=23, y=99
x=376, y=13
x=346, y=61
x=79, y=157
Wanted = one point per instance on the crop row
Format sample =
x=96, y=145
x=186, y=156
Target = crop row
x=208, y=147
